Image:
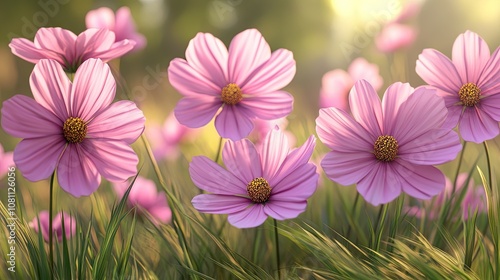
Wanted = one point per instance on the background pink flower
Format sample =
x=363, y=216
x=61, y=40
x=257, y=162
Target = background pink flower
x=73, y=127
x=57, y=227
x=68, y=49
x=262, y=128
x=6, y=161
x=272, y=181
x=469, y=84
x=388, y=147
x=245, y=81
x=337, y=83
x=146, y=198
x=122, y=25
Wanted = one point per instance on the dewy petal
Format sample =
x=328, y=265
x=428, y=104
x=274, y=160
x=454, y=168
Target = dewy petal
x=247, y=51
x=470, y=55
x=269, y=106
x=209, y=176
x=394, y=96
x=434, y=147
x=347, y=168
x=196, y=111
x=23, y=117
x=115, y=160
x=282, y=210
x=122, y=120
x=189, y=82
x=208, y=56
x=295, y=159
x=419, y=181
x=297, y=186
x=477, y=126
x=76, y=173
x=274, y=150
x=100, y=18
x=220, y=204
x=437, y=70
x=37, y=158
x=233, y=122
x=51, y=87
x=273, y=75
x=242, y=160
x=60, y=42
x=366, y=108
x=381, y=185
x=93, y=89
x=252, y=216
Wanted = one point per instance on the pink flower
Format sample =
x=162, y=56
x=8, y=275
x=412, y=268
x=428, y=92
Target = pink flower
x=68, y=49
x=146, y=198
x=271, y=181
x=245, y=81
x=337, y=83
x=6, y=161
x=57, y=225
x=262, y=128
x=469, y=84
x=166, y=139
x=388, y=147
x=122, y=25
x=73, y=127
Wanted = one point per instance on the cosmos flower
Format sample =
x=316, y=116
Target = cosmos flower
x=146, y=198
x=337, y=83
x=388, y=147
x=272, y=181
x=6, y=161
x=243, y=82
x=469, y=84
x=73, y=127
x=57, y=226
x=262, y=128
x=122, y=24
x=68, y=49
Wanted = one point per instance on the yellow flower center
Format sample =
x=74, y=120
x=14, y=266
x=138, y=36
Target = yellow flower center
x=231, y=94
x=259, y=190
x=386, y=148
x=74, y=130
x=469, y=94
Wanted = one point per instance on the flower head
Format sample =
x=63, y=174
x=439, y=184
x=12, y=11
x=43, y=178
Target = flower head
x=122, y=24
x=6, y=161
x=244, y=81
x=257, y=183
x=68, y=49
x=146, y=198
x=388, y=147
x=57, y=225
x=337, y=83
x=73, y=127
x=469, y=84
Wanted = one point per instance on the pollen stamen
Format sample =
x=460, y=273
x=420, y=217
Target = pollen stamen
x=259, y=190
x=385, y=148
x=469, y=94
x=74, y=130
x=231, y=94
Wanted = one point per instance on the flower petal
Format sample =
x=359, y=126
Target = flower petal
x=361, y=69
x=297, y=186
x=93, y=89
x=233, y=122
x=242, y=160
x=189, y=82
x=269, y=106
x=491, y=106
x=419, y=181
x=366, y=108
x=196, y=111
x=76, y=173
x=381, y=185
x=116, y=50
x=122, y=120
x=209, y=176
x=93, y=40
x=59, y=42
x=347, y=168
x=100, y=18
x=470, y=54
x=26, y=50
x=274, y=150
x=23, y=117
x=489, y=80
x=477, y=126
x=394, y=96
x=37, y=158
x=252, y=216
x=125, y=28
x=283, y=210
x=335, y=86
x=437, y=70
x=434, y=147
x=295, y=159
x=220, y=204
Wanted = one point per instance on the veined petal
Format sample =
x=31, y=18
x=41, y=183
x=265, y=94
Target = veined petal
x=297, y=186
x=242, y=160
x=366, y=108
x=233, y=122
x=26, y=50
x=477, y=126
x=295, y=159
x=470, y=55
x=220, y=204
x=37, y=158
x=437, y=70
x=491, y=106
x=196, y=111
x=283, y=210
x=347, y=168
x=93, y=40
x=209, y=176
x=394, y=96
x=434, y=147
x=189, y=82
x=419, y=181
x=269, y=106
x=274, y=150
x=116, y=50
x=252, y=216
x=489, y=80
x=381, y=185
x=60, y=42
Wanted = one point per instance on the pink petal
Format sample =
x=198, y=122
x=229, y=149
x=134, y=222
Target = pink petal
x=23, y=117
x=434, y=147
x=116, y=50
x=220, y=204
x=297, y=186
x=60, y=42
x=488, y=80
x=208, y=56
x=26, y=50
x=42, y=219
x=274, y=151
x=209, y=176
x=491, y=106
x=122, y=120
x=50, y=86
x=361, y=69
x=161, y=215
x=419, y=181
x=395, y=36
x=454, y=112
x=394, y=96
x=189, y=82
x=247, y=51
x=252, y=216
x=283, y=210
x=233, y=122
x=93, y=89
x=6, y=161
x=295, y=159
x=335, y=90
x=125, y=28
x=76, y=172
x=115, y=160
x=196, y=111
x=381, y=185
x=269, y=106
x=470, y=55
x=143, y=193
x=477, y=126
x=437, y=70
x=242, y=160
x=273, y=75
x=348, y=168
x=366, y=108
x=100, y=18
x=93, y=40
x=37, y=158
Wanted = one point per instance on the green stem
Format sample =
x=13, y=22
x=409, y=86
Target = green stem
x=352, y=214
x=488, y=161
x=278, y=262
x=458, y=167
x=51, y=250
x=217, y=156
